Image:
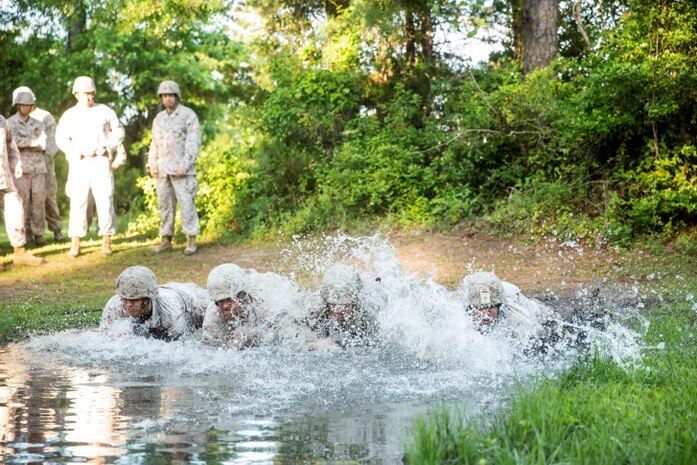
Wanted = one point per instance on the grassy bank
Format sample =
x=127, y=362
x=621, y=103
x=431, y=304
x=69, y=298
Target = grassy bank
x=595, y=412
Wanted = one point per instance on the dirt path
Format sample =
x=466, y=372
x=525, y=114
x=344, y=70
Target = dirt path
x=534, y=267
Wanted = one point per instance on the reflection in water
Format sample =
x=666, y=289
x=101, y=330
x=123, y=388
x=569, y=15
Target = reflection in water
x=60, y=410
x=86, y=397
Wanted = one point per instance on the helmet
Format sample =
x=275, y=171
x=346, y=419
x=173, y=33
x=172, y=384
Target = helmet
x=23, y=96
x=168, y=87
x=83, y=84
x=226, y=281
x=341, y=285
x=482, y=289
x=137, y=282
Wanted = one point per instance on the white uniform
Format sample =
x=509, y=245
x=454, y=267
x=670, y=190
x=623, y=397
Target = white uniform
x=88, y=136
x=177, y=311
x=13, y=212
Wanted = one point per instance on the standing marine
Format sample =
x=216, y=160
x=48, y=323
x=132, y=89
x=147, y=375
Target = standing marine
x=31, y=138
x=13, y=212
x=53, y=215
x=172, y=158
x=89, y=133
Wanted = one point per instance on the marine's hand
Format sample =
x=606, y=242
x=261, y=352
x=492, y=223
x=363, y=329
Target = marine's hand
x=18, y=171
x=181, y=171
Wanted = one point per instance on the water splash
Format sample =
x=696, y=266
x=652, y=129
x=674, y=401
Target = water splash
x=430, y=349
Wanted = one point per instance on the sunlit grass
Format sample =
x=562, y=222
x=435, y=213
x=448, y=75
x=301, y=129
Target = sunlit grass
x=595, y=412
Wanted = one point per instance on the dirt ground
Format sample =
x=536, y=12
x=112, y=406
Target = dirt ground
x=535, y=266
x=547, y=264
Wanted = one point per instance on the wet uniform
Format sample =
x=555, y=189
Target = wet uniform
x=177, y=311
x=359, y=328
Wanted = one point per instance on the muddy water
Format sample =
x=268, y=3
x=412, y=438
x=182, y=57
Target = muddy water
x=71, y=397
x=90, y=397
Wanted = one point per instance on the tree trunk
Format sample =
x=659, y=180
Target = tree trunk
x=540, y=21
x=75, y=23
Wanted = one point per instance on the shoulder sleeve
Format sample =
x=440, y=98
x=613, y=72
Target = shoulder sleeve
x=212, y=325
x=50, y=128
x=112, y=311
x=193, y=137
x=153, y=153
x=118, y=133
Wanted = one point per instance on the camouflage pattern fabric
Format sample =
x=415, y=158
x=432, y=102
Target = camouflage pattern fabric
x=31, y=188
x=175, y=142
x=171, y=190
x=176, y=312
x=53, y=216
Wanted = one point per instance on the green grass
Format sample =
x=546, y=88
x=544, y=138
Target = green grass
x=596, y=412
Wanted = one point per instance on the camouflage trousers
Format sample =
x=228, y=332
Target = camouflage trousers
x=170, y=191
x=31, y=188
x=91, y=174
x=53, y=215
x=14, y=217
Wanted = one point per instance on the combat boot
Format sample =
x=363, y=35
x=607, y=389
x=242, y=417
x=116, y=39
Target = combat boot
x=190, y=246
x=39, y=240
x=24, y=258
x=58, y=236
x=106, y=245
x=74, y=247
x=165, y=245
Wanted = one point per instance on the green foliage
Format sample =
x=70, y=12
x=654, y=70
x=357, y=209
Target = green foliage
x=346, y=112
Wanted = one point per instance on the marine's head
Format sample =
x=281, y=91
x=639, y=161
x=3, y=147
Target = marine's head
x=168, y=92
x=485, y=297
x=137, y=287
x=84, y=90
x=230, y=288
x=340, y=290
x=23, y=96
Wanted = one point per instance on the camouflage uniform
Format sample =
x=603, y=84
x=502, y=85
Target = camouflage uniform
x=30, y=136
x=13, y=213
x=344, y=285
x=229, y=281
x=87, y=136
x=175, y=145
x=177, y=308
x=53, y=216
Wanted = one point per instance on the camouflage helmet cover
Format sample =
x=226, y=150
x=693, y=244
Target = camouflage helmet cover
x=483, y=289
x=23, y=96
x=168, y=87
x=226, y=281
x=84, y=84
x=341, y=285
x=137, y=282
